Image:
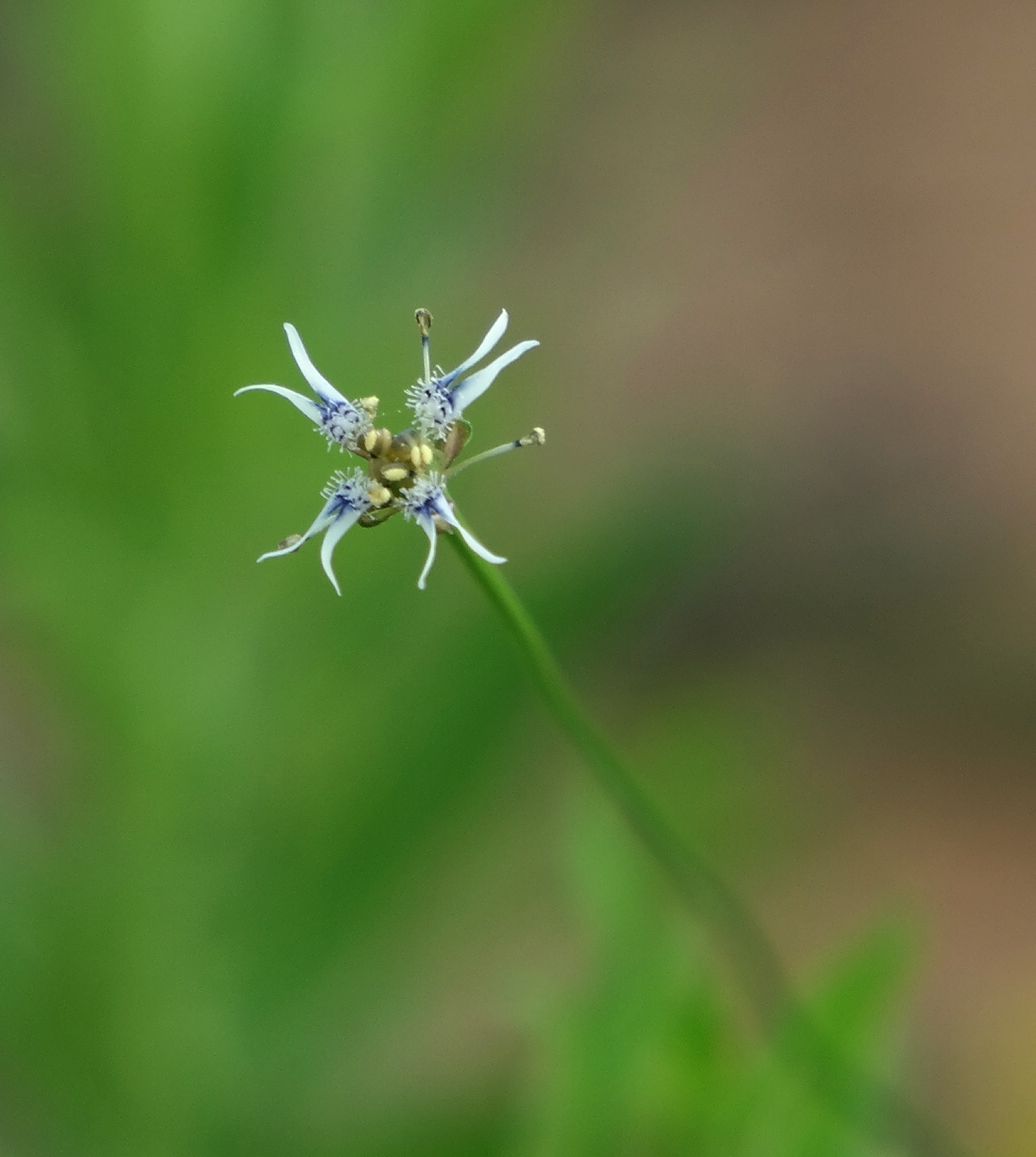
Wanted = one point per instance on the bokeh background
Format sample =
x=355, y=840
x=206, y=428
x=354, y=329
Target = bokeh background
x=283, y=874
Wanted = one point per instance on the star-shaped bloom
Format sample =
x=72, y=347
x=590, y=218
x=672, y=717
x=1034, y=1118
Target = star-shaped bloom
x=405, y=473
x=424, y=502
x=342, y=423
x=439, y=399
x=348, y=498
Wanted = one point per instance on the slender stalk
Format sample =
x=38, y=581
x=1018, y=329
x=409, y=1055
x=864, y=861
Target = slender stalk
x=868, y=1105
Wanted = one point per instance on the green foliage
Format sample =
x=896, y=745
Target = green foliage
x=251, y=835
x=647, y=1051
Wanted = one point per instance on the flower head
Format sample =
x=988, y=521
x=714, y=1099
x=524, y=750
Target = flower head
x=439, y=399
x=342, y=423
x=348, y=498
x=407, y=472
x=424, y=502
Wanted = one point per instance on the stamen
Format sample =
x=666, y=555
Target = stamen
x=424, y=324
x=536, y=437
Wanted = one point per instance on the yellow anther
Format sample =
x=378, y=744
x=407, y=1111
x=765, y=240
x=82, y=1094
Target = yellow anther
x=424, y=321
x=426, y=454
x=379, y=495
x=416, y=457
x=538, y=436
x=394, y=473
x=369, y=404
x=370, y=440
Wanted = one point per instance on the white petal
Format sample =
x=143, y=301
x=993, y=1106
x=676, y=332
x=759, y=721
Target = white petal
x=319, y=384
x=496, y=332
x=284, y=550
x=322, y=521
x=446, y=513
x=333, y=537
x=480, y=381
x=299, y=401
x=428, y=526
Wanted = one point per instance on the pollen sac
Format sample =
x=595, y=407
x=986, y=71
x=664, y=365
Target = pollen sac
x=382, y=442
x=391, y=472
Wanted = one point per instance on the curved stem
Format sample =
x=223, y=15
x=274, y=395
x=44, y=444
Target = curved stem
x=881, y=1113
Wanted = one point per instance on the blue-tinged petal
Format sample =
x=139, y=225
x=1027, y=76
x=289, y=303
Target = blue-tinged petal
x=475, y=386
x=445, y=512
x=496, y=332
x=318, y=383
x=427, y=524
x=299, y=401
x=478, y=548
x=321, y=522
x=341, y=524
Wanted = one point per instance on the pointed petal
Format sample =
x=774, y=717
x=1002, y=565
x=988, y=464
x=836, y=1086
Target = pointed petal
x=321, y=522
x=333, y=537
x=428, y=526
x=318, y=383
x=445, y=512
x=496, y=332
x=283, y=550
x=480, y=381
x=299, y=401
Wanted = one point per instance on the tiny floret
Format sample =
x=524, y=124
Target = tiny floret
x=343, y=423
x=347, y=498
x=439, y=399
x=426, y=501
x=405, y=473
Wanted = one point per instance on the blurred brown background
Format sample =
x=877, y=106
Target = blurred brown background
x=825, y=304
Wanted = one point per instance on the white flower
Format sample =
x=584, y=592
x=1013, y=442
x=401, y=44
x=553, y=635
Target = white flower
x=425, y=501
x=348, y=497
x=340, y=421
x=405, y=473
x=439, y=399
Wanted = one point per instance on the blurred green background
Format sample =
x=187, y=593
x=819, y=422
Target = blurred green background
x=287, y=874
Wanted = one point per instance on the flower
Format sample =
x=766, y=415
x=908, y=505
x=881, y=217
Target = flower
x=424, y=502
x=342, y=423
x=439, y=399
x=405, y=473
x=348, y=498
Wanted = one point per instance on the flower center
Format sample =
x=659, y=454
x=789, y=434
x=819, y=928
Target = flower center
x=342, y=424
x=432, y=405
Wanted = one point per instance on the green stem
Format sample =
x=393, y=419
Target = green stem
x=881, y=1112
